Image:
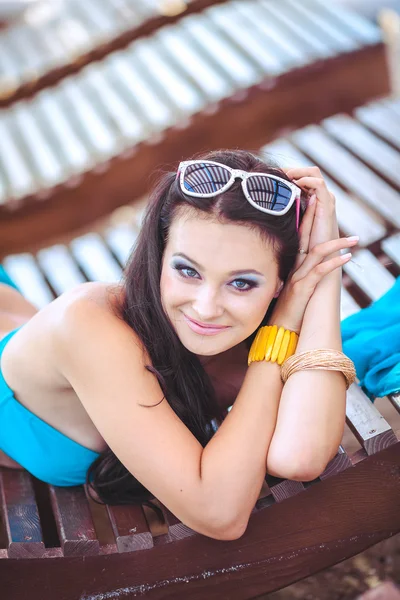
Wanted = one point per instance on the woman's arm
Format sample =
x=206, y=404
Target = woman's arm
x=311, y=414
x=213, y=489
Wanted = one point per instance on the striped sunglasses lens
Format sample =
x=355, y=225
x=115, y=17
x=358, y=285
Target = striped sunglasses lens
x=205, y=178
x=268, y=193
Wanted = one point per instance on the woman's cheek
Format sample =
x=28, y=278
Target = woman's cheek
x=173, y=291
x=256, y=309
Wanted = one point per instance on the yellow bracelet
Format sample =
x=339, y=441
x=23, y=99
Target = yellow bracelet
x=273, y=343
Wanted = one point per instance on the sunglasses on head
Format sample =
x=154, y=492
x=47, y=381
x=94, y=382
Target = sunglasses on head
x=269, y=193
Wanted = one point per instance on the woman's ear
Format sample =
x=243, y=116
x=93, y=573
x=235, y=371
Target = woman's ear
x=278, y=291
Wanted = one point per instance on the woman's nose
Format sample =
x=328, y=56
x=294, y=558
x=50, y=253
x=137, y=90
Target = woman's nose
x=207, y=304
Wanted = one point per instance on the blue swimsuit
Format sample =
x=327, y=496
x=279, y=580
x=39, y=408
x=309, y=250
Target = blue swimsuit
x=42, y=450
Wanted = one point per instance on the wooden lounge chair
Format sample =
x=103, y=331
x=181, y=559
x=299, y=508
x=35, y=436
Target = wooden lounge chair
x=56, y=544
x=40, y=50
x=235, y=75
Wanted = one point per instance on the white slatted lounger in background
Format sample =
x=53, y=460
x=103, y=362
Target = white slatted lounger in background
x=86, y=144
x=75, y=32
x=156, y=83
x=59, y=268
x=65, y=35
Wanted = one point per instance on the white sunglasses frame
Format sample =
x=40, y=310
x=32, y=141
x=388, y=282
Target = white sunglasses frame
x=244, y=175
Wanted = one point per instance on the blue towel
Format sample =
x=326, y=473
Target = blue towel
x=371, y=338
x=4, y=278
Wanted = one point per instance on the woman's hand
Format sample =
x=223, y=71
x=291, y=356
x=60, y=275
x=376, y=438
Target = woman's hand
x=318, y=234
x=324, y=226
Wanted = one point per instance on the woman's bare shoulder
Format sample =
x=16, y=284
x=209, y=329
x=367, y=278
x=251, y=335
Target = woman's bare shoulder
x=89, y=315
x=106, y=295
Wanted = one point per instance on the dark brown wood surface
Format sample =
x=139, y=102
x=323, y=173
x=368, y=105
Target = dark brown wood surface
x=283, y=543
x=74, y=522
x=21, y=528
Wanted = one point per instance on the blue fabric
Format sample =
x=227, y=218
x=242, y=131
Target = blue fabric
x=42, y=450
x=5, y=278
x=371, y=338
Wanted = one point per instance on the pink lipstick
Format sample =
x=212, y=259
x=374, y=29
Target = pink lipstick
x=204, y=329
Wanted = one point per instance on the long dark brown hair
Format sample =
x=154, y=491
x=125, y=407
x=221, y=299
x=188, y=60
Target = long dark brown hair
x=183, y=380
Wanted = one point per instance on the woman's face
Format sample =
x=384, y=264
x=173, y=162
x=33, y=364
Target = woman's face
x=216, y=274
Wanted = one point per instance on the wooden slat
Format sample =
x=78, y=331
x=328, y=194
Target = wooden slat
x=290, y=52
x=60, y=269
x=339, y=463
x=176, y=529
x=380, y=119
x=282, y=489
x=352, y=21
x=227, y=19
x=171, y=85
x=350, y=171
x=126, y=74
x=43, y=161
x=314, y=45
x=395, y=400
x=349, y=211
x=68, y=145
x=38, y=53
x=348, y=306
x=95, y=259
x=74, y=522
x=362, y=142
x=369, y=274
x=312, y=17
x=125, y=123
x=177, y=41
x=391, y=246
x=96, y=132
x=368, y=425
x=23, y=270
x=130, y=528
x=121, y=240
x=19, y=514
x=238, y=66
x=20, y=179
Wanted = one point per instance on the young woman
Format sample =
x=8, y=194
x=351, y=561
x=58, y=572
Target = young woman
x=119, y=385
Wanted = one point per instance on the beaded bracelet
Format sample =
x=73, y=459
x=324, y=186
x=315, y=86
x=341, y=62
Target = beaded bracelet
x=273, y=344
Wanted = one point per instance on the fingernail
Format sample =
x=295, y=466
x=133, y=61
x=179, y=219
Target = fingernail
x=353, y=238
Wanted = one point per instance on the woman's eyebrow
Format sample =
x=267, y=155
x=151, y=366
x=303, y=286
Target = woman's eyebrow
x=239, y=271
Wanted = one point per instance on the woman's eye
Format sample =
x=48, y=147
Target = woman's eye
x=189, y=273
x=244, y=285
x=182, y=268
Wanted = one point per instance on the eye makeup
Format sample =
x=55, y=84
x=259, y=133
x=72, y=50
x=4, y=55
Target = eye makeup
x=250, y=283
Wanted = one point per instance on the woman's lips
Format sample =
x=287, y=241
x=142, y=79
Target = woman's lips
x=203, y=330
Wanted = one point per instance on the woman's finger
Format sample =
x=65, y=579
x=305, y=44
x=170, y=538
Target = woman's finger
x=298, y=172
x=320, y=252
x=318, y=184
x=305, y=230
x=307, y=222
x=305, y=287
x=324, y=268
